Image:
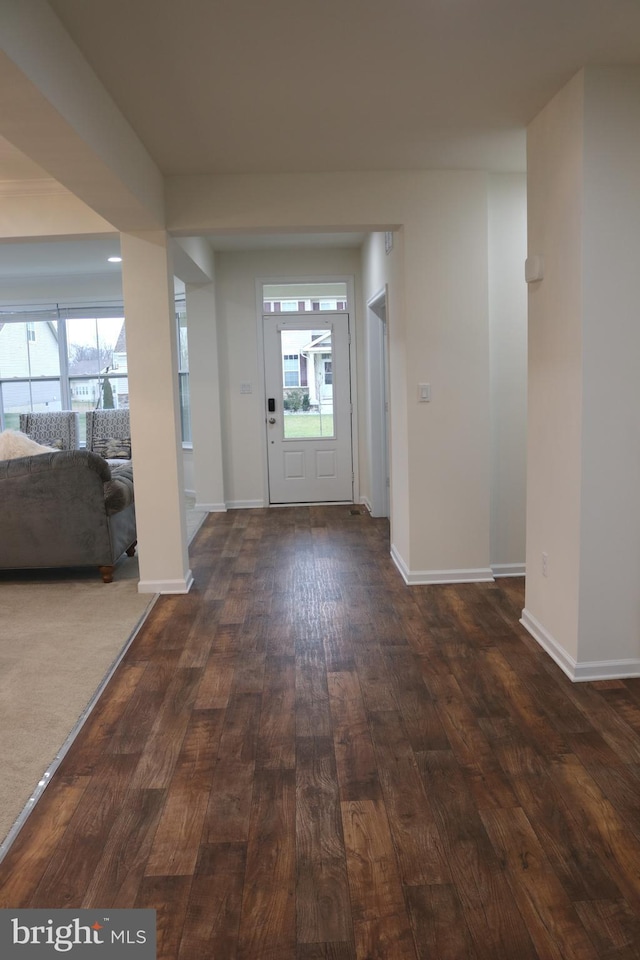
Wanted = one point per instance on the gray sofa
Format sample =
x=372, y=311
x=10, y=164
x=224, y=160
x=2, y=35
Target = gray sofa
x=66, y=509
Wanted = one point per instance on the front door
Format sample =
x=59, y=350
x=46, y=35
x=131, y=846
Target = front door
x=308, y=408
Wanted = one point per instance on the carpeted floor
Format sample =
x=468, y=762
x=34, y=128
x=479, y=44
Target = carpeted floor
x=60, y=635
x=59, y=638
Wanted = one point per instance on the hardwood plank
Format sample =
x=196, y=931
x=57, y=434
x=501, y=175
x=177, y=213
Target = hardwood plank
x=388, y=938
x=276, y=745
x=268, y=922
x=318, y=815
x=420, y=717
x=439, y=927
x=569, y=850
x=613, y=927
x=356, y=764
x=552, y=922
x=137, y=719
x=212, y=919
x=68, y=874
x=118, y=873
x=377, y=692
x=32, y=850
x=103, y=734
x=523, y=707
x=240, y=732
x=418, y=844
x=376, y=890
x=313, y=718
x=160, y=752
x=605, y=828
x=322, y=902
x=326, y=951
x=169, y=897
x=214, y=689
x=495, y=926
x=490, y=785
x=229, y=809
x=177, y=838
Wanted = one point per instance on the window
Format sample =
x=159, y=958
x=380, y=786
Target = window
x=56, y=358
x=304, y=297
x=29, y=367
x=73, y=358
x=183, y=371
x=291, y=369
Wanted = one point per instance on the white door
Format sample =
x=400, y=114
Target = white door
x=308, y=408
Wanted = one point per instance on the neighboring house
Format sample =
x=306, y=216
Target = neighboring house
x=120, y=384
x=28, y=351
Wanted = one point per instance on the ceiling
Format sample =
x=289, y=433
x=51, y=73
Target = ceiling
x=338, y=85
x=247, y=86
x=59, y=258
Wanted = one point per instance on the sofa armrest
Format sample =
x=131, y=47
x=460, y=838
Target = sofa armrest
x=118, y=491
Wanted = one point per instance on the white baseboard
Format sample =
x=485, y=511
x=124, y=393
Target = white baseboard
x=167, y=586
x=211, y=507
x=244, y=504
x=508, y=569
x=578, y=672
x=419, y=577
x=365, y=502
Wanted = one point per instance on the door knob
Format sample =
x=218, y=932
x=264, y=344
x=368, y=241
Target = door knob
x=272, y=419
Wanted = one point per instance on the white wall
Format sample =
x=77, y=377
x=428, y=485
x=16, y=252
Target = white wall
x=237, y=306
x=584, y=356
x=554, y=164
x=508, y=340
x=609, y=604
x=447, y=345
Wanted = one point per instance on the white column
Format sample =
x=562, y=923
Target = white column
x=204, y=388
x=147, y=281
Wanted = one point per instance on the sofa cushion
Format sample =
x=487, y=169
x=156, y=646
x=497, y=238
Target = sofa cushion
x=113, y=448
x=15, y=444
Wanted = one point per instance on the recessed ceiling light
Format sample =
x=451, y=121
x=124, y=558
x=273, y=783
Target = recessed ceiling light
x=114, y=259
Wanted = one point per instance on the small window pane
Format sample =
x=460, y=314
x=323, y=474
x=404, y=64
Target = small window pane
x=30, y=350
x=185, y=408
x=308, y=409
x=24, y=397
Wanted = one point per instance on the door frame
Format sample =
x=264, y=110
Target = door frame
x=349, y=280
x=378, y=360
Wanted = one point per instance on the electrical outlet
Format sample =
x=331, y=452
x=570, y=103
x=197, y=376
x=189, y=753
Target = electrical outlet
x=545, y=564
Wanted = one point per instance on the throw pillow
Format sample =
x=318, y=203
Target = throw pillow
x=111, y=448
x=14, y=444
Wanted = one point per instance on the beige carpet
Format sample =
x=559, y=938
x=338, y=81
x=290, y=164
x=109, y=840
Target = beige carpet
x=58, y=640
x=60, y=634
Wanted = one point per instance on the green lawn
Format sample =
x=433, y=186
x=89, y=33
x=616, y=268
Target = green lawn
x=299, y=425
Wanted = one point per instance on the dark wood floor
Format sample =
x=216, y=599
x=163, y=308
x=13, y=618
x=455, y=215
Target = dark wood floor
x=304, y=759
